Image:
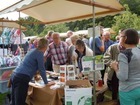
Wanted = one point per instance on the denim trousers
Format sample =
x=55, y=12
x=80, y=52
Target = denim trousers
x=19, y=88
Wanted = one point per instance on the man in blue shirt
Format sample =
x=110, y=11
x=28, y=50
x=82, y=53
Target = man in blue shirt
x=32, y=62
x=99, y=43
x=102, y=43
x=107, y=40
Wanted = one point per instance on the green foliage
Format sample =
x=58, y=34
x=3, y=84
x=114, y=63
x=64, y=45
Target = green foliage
x=134, y=5
x=2, y=98
x=80, y=25
x=126, y=20
x=106, y=21
x=32, y=27
x=85, y=24
x=57, y=28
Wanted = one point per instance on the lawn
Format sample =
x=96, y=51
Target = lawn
x=4, y=100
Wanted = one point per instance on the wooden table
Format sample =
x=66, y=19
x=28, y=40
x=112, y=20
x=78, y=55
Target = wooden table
x=101, y=90
x=45, y=96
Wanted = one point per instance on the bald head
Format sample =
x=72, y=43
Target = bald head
x=56, y=38
x=106, y=35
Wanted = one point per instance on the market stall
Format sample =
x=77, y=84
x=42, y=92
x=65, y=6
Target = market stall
x=7, y=65
x=8, y=61
x=10, y=34
x=57, y=11
x=56, y=94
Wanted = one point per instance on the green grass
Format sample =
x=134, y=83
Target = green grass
x=2, y=98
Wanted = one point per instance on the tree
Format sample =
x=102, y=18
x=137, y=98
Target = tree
x=106, y=21
x=80, y=25
x=134, y=5
x=57, y=28
x=31, y=28
x=126, y=20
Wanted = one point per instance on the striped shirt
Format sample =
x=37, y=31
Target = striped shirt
x=58, y=53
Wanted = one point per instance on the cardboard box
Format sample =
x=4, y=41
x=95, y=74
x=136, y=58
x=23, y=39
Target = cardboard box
x=80, y=94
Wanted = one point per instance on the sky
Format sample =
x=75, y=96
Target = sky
x=12, y=15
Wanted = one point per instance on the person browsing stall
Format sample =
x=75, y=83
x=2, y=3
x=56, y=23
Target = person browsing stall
x=58, y=50
x=68, y=40
x=32, y=62
x=111, y=55
x=73, y=38
x=127, y=69
x=81, y=51
x=48, y=63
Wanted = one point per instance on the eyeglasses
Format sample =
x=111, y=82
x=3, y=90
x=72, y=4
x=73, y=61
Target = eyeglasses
x=122, y=36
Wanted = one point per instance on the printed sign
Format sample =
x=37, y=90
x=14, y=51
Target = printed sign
x=87, y=63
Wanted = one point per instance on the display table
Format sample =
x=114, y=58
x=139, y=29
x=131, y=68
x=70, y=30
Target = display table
x=100, y=90
x=45, y=96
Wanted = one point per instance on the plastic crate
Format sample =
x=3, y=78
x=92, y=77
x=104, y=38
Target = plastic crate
x=5, y=72
x=3, y=86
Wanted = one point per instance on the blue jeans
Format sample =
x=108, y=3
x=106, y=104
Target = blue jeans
x=19, y=88
x=130, y=98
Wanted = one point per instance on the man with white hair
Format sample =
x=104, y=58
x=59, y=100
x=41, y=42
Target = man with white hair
x=58, y=50
x=107, y=40
x=99, y=43
x=107, y=43
x=102, y=42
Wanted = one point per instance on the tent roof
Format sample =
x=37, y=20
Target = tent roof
x=10, y=24
x=56, y=11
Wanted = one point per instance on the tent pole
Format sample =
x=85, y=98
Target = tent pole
x=21, y=45
x=3, y=40
x=20, y=30
x=93, y=34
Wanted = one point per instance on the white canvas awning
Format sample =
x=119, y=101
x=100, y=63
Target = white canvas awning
x=10, y=24
x=56, y=11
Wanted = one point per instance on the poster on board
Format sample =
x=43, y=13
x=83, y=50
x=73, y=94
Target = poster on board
x=88, y=65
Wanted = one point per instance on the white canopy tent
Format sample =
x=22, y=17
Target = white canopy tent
x=56, y=11
x=10, y=25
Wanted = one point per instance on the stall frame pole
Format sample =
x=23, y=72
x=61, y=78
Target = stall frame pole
x=93, y=35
